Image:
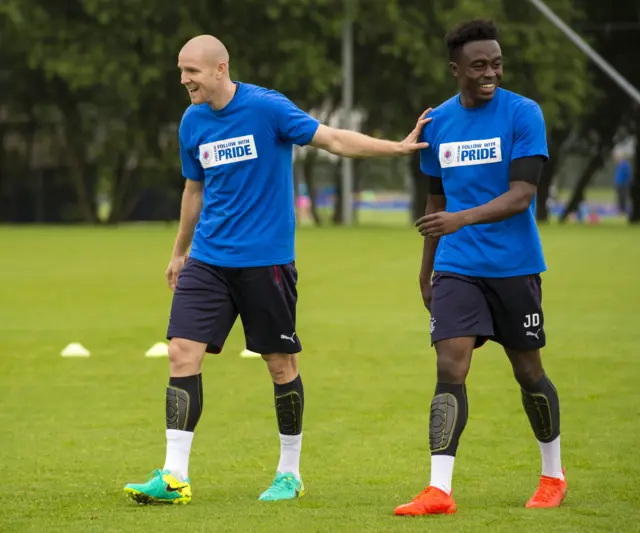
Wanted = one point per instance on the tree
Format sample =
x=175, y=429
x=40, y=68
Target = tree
x=612, y=110
x=404, y=42
x=102, y=97
x=116, y=99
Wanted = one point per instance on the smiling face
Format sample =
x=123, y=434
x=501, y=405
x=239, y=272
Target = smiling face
x=479, y=71
x=204, y=67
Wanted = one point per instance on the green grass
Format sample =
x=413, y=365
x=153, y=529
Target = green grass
x=74, y=431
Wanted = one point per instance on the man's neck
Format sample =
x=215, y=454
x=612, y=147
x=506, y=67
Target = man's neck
x=221, y=99
x=471, y=103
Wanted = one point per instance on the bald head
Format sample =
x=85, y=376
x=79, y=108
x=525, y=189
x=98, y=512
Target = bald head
x=206, y=48
x=204, y=66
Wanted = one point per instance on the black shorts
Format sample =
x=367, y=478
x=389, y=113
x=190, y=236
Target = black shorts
x=506, y=310
x=208, y=299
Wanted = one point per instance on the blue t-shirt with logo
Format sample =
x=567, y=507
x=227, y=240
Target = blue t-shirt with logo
x=471, y=151
x=244, y=155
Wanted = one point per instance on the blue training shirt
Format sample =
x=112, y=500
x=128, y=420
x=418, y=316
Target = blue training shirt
x=244, y=155
x=471, y=151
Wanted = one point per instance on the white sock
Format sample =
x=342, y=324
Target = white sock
x=290, y=447
x=442, y=472
x=551, y=463
x=178, y=450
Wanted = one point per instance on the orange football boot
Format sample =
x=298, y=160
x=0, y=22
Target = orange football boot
x=430, y=501
x=550, y=493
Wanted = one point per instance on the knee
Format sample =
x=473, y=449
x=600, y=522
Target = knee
x=185, y=357
x=527, y=378
x=453, y=367
x=451, y=370
x=282, y=367
x=527, y=369
x=454, y=359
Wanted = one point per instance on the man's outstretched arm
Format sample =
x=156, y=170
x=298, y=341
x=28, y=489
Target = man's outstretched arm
x=348, y=143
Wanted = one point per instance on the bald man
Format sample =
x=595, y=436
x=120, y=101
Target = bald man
x=237, y=214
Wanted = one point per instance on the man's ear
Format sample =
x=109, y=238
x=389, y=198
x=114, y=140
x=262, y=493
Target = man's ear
x=221, y=70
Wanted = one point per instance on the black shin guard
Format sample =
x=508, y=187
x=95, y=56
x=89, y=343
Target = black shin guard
x=289, y=402
x=184, y=402
x=449, y=412
x=542, y=406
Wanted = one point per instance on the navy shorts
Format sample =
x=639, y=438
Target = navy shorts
x=208, y=299
x=505, y=310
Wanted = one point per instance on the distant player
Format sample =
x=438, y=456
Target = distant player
x=487, y=147
x=238, y=215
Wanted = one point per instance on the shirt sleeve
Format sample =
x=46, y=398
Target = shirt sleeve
x=293, y=125
x=429, y=162
x=191, y=167
x=435, y=186
x=527, y=169
x=530, y=132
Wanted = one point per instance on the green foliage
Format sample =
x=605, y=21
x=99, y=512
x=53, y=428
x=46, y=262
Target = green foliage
x=101, y=83
x=405, y=63
x=612, y=114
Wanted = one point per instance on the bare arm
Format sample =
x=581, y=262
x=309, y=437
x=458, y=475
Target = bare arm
x=524, y=176
x=353, y=144
x=348, y=143
x=516, y=200
x=189, y=216
x=435, y=204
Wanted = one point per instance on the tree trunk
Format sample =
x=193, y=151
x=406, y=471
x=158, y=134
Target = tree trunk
x=79, y=176
x=119, y=191
x=357, y=182
x=36, y=198
x=557, y=140
x=542, y=196
x=577, y=196
x=2, y=153
x=308, y=170
x=130, y=204
x=634, y=216
x=74, y=150
x=337, y=206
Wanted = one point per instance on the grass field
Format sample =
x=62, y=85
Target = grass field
x=74, y=431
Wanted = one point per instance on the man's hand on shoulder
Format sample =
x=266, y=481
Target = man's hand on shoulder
x=412, y=143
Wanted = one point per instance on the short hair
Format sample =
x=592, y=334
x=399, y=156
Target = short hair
x=467, y=32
